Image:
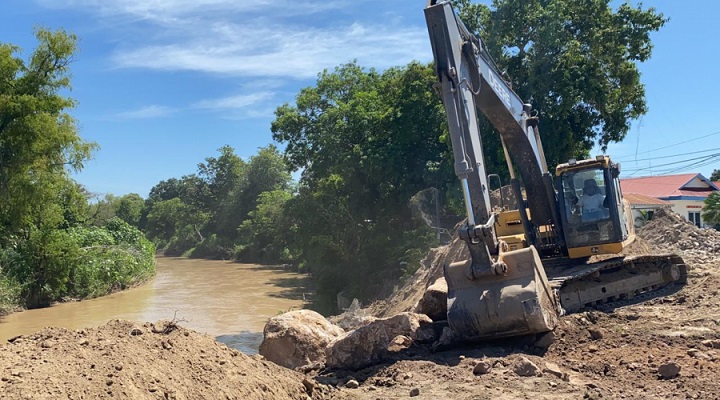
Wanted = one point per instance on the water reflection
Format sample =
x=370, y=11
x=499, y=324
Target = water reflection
x=247, y=342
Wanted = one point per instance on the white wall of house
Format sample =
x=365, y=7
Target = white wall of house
x=683, y=207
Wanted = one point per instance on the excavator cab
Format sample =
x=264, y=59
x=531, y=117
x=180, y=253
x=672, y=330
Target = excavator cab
x=591, y=208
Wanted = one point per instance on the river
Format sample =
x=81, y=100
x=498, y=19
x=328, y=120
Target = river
x=227, y=300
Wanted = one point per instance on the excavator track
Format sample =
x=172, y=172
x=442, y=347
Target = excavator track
x=580, y=284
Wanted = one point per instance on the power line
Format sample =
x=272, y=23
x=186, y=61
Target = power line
x=695, y=162
x=678, y=143
x=672, y=156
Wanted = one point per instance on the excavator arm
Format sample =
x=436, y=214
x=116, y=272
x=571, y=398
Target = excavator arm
x=494, y=293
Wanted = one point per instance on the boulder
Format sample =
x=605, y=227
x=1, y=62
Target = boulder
x=434, y=301
x=298, y=338
x=369, y=344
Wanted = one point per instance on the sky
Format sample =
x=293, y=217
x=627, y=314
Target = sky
x=163, y=84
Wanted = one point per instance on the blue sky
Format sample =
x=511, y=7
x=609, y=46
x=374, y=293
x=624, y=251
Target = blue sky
x=162, y=84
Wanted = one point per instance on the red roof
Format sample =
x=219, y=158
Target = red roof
x=663, y=187
x=636, y=199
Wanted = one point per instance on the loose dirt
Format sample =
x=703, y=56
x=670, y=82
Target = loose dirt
x=664, y=348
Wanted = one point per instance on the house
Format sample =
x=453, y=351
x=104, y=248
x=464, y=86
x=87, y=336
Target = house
x=686, y=193
x=643, y=207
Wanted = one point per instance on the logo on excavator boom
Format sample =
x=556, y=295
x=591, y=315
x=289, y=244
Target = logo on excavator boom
x=499, y=88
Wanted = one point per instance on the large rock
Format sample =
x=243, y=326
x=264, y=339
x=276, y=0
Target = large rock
x=434, y=301
x=369, y=344
x=298, y=338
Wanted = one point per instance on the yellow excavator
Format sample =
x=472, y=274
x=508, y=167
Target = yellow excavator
x=529, y=263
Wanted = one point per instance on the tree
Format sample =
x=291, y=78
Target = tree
x=711, y=209
x=129, y=208
x=38, y=138
x=366, y=142
x=576, y=61
x=715, y=176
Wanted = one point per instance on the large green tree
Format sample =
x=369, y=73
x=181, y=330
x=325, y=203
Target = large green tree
x=39, y=140
x=46, y=251
x=575, y=61
x=365, y=142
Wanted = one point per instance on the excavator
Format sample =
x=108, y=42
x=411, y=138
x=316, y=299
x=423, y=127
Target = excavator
x=540, y=259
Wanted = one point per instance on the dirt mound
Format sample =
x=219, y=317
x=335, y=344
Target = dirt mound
x=129, y=361
x=669, y=232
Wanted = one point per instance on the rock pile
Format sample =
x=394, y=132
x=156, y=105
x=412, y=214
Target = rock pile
x=668, y=231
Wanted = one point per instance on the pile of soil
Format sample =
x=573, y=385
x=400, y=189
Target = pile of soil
x=664, y=348
x=129, y=361
x=668, y=230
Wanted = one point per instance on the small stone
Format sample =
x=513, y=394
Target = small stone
x=414, y=392
x=525, y=367
x=109, y=382
x=593, y=349
x=166, y=345
x=669, y=370
x=692, y=352
x=554, y=369
x=84, y=342
x=595, y=333
x=715, y=344
x=482, y=368
x=46, y=344
x=352, y=384
x=136, y=331
x=152, y=389
x=118, y=367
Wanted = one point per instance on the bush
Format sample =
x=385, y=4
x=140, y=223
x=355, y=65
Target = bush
x=80, y=262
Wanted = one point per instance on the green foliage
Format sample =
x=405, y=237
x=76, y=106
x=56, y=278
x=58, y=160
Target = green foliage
x=366, y=142
x=268, y=233
x=711, y=209
x=199, y=215
x=38, y=138
x=130, y=208
x=46, y=251
x=576, y=61
x=715, y=176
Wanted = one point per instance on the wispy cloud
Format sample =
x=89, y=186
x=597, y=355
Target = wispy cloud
x=152, y=111
x=258, y=38
x=281, y=52
x=166, y=10
x=242, y=101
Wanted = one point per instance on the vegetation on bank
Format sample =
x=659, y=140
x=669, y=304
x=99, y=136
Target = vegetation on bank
x=369, y=147
x=48, y=249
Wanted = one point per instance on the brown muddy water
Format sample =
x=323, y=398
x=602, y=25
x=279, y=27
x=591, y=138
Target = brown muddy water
x=227, y=300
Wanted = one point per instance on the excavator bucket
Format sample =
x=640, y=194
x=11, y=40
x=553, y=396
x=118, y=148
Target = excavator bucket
x=495, y=306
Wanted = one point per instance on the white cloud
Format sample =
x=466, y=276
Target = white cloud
x=167, y=10
x=234, y=102
x=257, y=51
x=262, y=38
x=152, y=111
